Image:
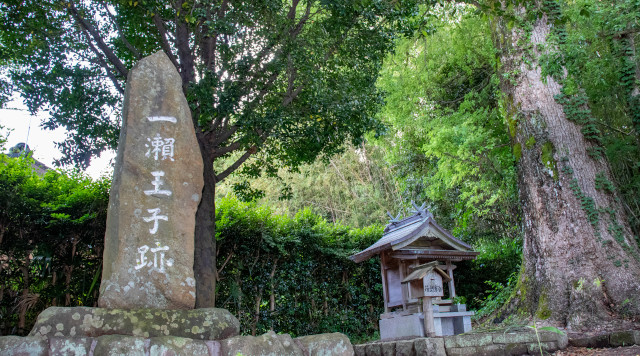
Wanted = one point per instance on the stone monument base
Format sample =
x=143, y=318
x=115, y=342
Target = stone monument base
x=199, y=324
x=212, y=331
x=268, y=344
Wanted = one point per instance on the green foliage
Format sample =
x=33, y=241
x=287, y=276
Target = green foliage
x=530, y=142
x=51, y=236
x=586, y=202
x=576, y=109
x=301, y=265
x=281, y=81
x=445, y=132
x=601, y=55
x=3, y=140
x=544, y=328
x=496, y=267
x=592, y=54
x=355, y=188
x=495, y=297
x=46, y=61
x=602, y=183
x=53, y=227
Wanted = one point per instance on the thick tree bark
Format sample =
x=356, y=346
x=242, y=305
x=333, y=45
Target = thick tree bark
x=204, y=263
x=580, y=261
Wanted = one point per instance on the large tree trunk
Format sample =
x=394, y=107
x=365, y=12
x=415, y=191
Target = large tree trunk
x=580, y=260
x=204, y=263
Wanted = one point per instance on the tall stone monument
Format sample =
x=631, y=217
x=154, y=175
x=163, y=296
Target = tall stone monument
x=147, y=276
x=156, y=188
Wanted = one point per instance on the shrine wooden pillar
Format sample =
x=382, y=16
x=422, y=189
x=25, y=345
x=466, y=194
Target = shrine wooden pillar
x=385, y=284
x=402, y=265
x=427, y=312
x=452, y=287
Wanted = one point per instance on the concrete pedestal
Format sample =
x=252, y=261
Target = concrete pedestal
x=453, y=322
x=402, y=327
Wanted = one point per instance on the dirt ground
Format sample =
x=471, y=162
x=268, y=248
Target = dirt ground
x=583, y=351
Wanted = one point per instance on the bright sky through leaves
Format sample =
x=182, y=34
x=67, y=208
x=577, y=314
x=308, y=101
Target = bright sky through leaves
x=21, y=126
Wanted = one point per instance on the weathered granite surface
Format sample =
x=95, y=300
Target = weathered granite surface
x=70, y=346
x=16, y=345
x=267, y=344
x=156, y=189
x=199, y=324
x=495, y=343
x=335, y=344
x=264, y=345
x=624, y=338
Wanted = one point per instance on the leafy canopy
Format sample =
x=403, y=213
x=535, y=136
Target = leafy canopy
x=282, y=79
x=446, y=136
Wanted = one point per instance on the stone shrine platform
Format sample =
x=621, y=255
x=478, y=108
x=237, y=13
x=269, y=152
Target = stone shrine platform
x=447, y=320
x=505, y=342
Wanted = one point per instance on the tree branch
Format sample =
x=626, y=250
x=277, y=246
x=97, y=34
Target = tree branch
x=126, y=42
x=217, y=138
x=187, y=64
x=224, y=174
x=95, y=35
x=289, y=98
x=209, y=42
x=219, y=152
x=164, y=42
x=218, y=271
x=103, y=63
x=293, y=33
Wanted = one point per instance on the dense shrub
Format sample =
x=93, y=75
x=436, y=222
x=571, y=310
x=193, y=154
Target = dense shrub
x=51, y=237
x=293, y=274
x=481, y=280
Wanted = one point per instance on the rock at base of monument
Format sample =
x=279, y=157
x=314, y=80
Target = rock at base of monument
x=198, y=324
x=269, y=344
x=76, y=346
x=16, y=345
x=335, y=344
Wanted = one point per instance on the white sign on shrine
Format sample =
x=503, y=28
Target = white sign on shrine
x=432, y=283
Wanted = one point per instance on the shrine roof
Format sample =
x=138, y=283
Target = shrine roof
x=400, y=233
x=420, y=271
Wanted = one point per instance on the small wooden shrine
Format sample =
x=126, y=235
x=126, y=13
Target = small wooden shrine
x=416, y=256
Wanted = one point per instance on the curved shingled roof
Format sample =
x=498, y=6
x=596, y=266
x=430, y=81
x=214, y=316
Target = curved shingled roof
x=399, y=234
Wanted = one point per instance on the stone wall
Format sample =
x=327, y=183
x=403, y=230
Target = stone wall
x=494, y=343
x=84, y=331
x=268, y=344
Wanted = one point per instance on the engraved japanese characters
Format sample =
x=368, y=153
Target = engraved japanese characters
x=148, y=255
